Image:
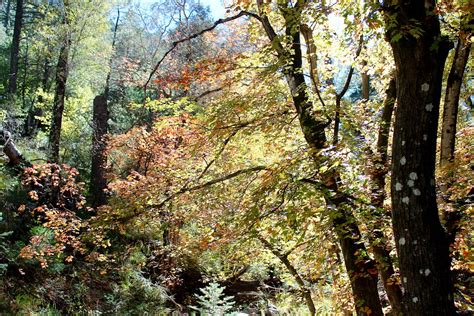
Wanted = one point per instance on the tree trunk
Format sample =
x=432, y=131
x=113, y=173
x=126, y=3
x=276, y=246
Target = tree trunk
x=361, y=269
x=100, y=119
x=62, y=72
x=99, y=157
x=15, y=50
x=365, y=82
x=32, y=124
x=451, y=101
x=378, y=173
x=420, y=239
x=7, y=14
x=311, y=53
x=15, y=158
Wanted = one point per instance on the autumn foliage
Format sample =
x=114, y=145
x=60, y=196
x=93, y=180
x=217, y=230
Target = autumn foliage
x=55, y=200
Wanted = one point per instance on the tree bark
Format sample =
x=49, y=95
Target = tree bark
x=311, y=53
x=15, y=158
x=32, y=124
x=420, y=239
x=7, y=14
x=15, y=50
x=100, y=119
x=62, y=72
x=361, y=269
x=99, y=157
x=451, y=101
x=365, y=80
x=378, y=173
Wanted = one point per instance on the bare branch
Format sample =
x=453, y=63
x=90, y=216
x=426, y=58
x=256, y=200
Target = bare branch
x=341, y=94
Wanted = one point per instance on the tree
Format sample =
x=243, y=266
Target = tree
x=378, y=174
x=100, y=118
x=62, y=72
x=15, y=50
x=453, y=92
x=359, y=266
x=7, y=14
x=420, y=53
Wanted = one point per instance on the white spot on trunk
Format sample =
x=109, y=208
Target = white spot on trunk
x=415, y=242
x=429, y=107
x=398, y=186
x=405, y=279
x=403, y=143
x=427, y=272
x=425, y=87
x=406, y=200
x=403, y=161
x=410, y=183
x=413, y=176
x=416, y=192
x=415, y=299
x=401, y=241
x=425, y=137
x=421, y=271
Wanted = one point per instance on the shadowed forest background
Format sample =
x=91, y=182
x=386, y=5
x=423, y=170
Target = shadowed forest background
x=285, y=158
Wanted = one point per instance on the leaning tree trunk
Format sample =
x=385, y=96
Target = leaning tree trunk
x=421, y=241
x=360, y=268
x=283, y=257
x=62, y=72
x=451, y=101
x=15, y=158
x=15, y=50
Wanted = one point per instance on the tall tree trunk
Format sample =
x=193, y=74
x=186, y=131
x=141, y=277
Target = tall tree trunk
x=377, y=175
x=451, y=101
x=62, y=72
x=421, y=241
x=99, y=156
x=7, y=14
x=100, y=119
x=361, y=269
x=24, y=78
x=32, y=123
x=15, y=50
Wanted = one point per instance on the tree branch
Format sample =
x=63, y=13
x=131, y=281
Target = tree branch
x=341, y=94
x=193, y=36
x=224, y=144
x=186, y=189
